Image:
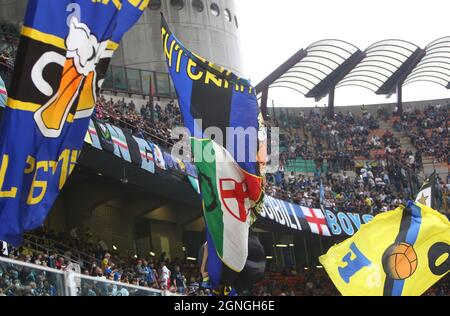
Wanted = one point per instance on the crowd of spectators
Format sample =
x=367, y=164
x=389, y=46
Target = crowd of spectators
x=296, y=282
x=342, y=139
x=174, y=275
x=319, y=136
x=372, y=191
x=385, y=178
x=151, y=121
x=8, y=48
x=428, y=130
x=379, y=186
x=315, y=282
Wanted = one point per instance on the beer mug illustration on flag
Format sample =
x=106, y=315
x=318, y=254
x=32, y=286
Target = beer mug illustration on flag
x=78, y=81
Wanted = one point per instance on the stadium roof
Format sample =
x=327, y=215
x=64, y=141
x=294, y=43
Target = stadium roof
x=384, y=67
x=435, y=65
x=324, y=64
x=385, y=64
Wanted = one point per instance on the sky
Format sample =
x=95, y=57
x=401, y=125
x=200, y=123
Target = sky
x=271, y=31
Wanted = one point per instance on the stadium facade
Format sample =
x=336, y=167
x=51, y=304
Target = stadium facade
x=207, y=27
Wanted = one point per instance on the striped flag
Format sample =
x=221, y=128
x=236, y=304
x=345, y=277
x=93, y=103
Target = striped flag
x=3, y=93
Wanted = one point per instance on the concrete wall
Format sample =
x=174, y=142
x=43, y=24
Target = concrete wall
x=114, y=226
x=372, y=108
x=12, y=11
x=57, y=219
x=214, y=38
x=161, y=230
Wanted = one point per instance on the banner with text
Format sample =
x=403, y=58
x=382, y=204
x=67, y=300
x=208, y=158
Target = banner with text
x=324, y=222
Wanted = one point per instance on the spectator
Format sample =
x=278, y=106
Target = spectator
x=164, y=276
x=179, y=280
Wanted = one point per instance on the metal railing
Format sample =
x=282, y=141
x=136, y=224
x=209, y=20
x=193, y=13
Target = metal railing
x=302, y=165
x=44, y=249
x=405, y=173
x=446, y=202
x=148, y=136
x=47, y=245
x=36, y=280
x=136, y=81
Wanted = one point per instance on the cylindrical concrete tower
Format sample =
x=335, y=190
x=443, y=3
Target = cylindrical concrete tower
x=207, y=27
x=12, y=11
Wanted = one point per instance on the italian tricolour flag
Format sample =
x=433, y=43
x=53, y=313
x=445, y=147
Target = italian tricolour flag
x=228, y=195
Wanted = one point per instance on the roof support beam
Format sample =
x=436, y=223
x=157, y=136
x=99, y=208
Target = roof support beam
x=329, y=83
x=398, y=77
x=399, y=99
x=277, y=73
x=264, y=97
x=331, y=104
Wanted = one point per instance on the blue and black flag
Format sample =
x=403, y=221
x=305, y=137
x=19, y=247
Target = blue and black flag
x=211, y=97
x=216, y=96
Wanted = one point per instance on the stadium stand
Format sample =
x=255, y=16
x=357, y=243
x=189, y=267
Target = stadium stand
x=322, y=147
x=8, y=48
x=177, y=276
x=364, y=163
x=147, y=120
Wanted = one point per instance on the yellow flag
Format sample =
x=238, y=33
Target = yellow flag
x=401, y=252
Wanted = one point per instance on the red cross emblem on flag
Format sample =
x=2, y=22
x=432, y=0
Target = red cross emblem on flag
x=235, y=198
x=318, y=224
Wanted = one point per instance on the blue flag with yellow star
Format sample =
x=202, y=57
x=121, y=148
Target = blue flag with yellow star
x=426, y=194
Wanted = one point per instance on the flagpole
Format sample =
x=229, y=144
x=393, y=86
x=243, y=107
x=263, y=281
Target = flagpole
x=275, y=250
x=306, y=251
x=433, y=184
